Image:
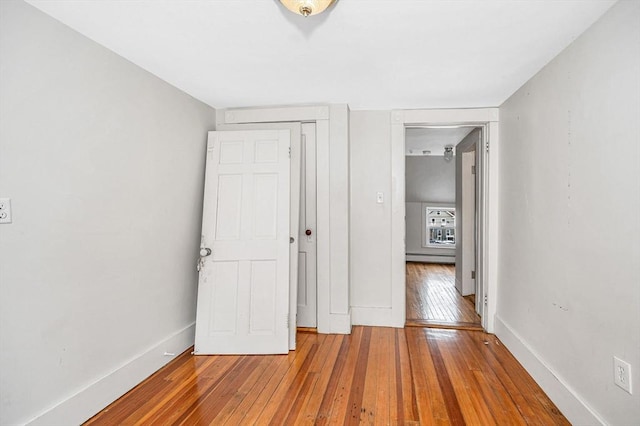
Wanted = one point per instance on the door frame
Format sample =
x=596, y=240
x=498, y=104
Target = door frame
x=332, y=204
x=486, y=269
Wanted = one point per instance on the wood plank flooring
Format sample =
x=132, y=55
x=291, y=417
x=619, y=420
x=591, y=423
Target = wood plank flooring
x=432, y=299
x=375, y=376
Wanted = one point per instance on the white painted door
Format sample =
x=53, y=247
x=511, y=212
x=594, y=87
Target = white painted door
x=307, y=301
x=303, y=292
x=467, y=215
x=295, y=130
x=243, y=289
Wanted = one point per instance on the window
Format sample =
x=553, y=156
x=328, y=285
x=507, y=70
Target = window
x=440, y=226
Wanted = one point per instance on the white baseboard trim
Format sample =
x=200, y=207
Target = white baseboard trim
x=339, y=323
x=377, y=317
x=89, y=401
x=574, y=408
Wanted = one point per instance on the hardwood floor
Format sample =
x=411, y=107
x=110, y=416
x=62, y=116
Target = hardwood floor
x=432, y=299
x=375, y=376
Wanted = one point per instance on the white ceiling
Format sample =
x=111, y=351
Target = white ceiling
x=433, y=140
x=371, y=54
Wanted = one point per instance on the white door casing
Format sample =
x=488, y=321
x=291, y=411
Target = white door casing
x=485, y=221
x=243, y=289
x=306, y=297
x=295, y=130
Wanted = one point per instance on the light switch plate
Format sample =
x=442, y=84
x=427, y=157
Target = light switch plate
x=379, y=198
x=5, y=210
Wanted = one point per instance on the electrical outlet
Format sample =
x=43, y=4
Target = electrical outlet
x=5, y=210
x=622, y=374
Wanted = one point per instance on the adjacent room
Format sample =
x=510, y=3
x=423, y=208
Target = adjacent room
x=241, y=212
x=441, y=214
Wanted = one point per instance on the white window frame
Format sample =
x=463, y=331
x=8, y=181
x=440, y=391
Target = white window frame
x=428, y=226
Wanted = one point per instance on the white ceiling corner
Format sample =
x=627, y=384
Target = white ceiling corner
x=371, y=54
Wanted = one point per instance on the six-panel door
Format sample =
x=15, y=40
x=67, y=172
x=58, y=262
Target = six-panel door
x=243, y=291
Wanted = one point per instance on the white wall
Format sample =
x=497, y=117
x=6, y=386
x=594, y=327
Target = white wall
x=104, y=164
x=370, y=240
x=431, y=180
x=569, y=290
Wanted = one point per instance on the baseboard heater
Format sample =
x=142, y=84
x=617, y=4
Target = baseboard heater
x=430, y=258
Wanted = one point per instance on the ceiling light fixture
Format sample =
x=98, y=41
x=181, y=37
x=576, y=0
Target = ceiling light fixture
x=307, y=7
x=448, y=153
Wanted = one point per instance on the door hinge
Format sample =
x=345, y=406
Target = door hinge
x=487, y=145
x=286, y=318
x=289, y=152
x=473, y=170
x=485, y=299
x=473, y=275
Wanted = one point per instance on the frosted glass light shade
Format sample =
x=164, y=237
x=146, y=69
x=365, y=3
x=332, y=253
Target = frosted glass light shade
x=306, y=7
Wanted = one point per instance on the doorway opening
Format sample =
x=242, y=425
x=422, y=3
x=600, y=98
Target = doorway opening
x=441, y=216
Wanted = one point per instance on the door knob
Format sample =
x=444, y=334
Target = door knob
x=205, y=252
x=307, y=232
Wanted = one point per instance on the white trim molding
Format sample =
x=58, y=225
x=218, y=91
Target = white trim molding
x=275, y=114
x=572, y=406
x=87, y=402
x=375, y=317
